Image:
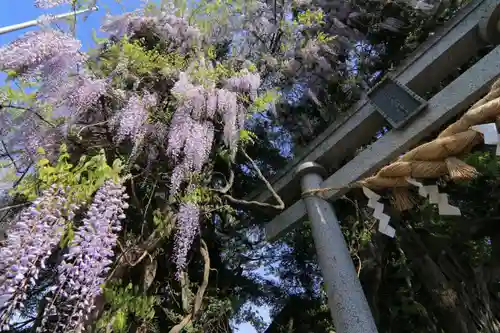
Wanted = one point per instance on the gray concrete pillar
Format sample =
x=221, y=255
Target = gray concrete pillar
x=347, y=302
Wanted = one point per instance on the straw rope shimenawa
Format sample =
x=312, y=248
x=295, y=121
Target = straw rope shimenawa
x=434, y=159
x=439, y=157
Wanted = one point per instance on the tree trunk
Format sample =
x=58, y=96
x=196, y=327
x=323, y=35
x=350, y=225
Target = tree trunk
x=461, y=298
x=451, y=313
x=371, y=274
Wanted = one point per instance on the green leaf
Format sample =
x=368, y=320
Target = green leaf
x=247, y=137
x=120, y=321
x=98, y=40
x=67, y=237
x=43, y=162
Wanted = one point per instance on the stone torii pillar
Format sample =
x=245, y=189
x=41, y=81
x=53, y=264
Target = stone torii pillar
x=348, y=305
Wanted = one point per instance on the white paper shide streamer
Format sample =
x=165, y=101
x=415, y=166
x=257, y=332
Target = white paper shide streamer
x=490, y=134
x=491, y=137
x=378, y=213
x=426, y=191
x=439, y=199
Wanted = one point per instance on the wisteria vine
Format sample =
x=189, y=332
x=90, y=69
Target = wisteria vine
x=55, y=61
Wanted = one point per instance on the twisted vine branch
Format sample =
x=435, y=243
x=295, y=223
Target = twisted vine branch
x=228, y=197
x=199, y=294
x=38, y=115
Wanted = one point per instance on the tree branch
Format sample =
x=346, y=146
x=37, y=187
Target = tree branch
x=25, y=172
x=138, y=260
x=229, y=183
x=30, y=110
x=4, y=146
x=259, y=38
x=134, y=196
x=199, y=295
x=280, y=205
x=148, y=246
x=14, y=206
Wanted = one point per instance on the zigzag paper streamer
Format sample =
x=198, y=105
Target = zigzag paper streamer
x=421, y=188
x=490, y=134
x=378, y=213
x=441, y=199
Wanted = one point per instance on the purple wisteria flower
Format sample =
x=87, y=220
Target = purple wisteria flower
x=196, y=150
x=183, y=84
x=132, y=118
x=195, y=145
x=31, y=137
x=191, y=137
x=178, y=30
x=35, y=48
x=199, y=144
x=24, y=133
x=173, y=29
x=85, y=92
x=179, y=174
x=188, y=219
x=180, y=128
x=29, y=244
x=192, y=131
x=212, y=103
x=127, y=23
x=54, y=59
x=45, y=4
x=246, y=83
x=84, y=268
x=45, y=20
x=228, y=108
x=71, y=96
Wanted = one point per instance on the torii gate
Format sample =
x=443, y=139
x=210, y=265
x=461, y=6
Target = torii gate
x=475, y=26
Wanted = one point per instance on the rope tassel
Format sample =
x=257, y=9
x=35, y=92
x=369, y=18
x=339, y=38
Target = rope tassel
x=378, y=213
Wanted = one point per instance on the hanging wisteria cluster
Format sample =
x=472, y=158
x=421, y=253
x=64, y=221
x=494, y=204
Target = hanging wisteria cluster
x=29, y=244
x=36, y=49
x=83, y=270
x=192, y=132
x=246, y=82
x=126, y=24
x=191, y=137
x=132, y=118
x=173, y=29
x=37, y=233
x=54, y=59
x=50, y=3
x=187, y=228
x=131, y=122
x=199, y=108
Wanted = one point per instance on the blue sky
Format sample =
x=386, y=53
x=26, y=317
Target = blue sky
x=19, y=11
